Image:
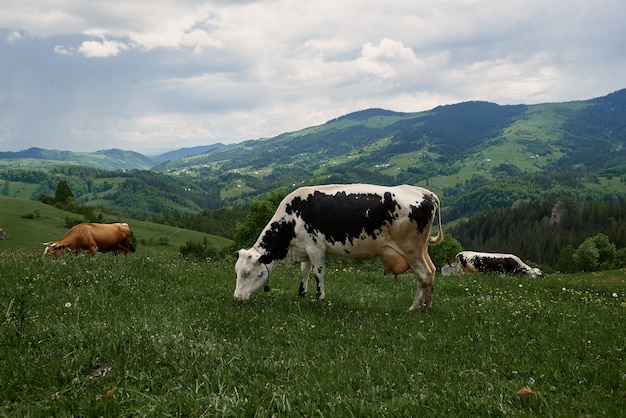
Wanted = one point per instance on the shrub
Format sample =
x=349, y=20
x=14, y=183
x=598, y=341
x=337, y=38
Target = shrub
x=587, y=255
x=200, y=250
x=446, y=249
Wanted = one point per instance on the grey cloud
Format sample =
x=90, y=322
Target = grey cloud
x=161, y=73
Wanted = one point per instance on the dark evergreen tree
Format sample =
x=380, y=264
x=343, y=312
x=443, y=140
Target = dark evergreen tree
x=64, y=194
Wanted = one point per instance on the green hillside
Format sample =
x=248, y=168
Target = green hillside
x=135, y=194
x=454, y=150
x=474, y=155
x=42, y=159
x=29, y=224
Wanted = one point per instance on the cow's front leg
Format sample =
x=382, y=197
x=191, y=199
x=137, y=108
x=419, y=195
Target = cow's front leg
x=318, y=272
x=305, y=269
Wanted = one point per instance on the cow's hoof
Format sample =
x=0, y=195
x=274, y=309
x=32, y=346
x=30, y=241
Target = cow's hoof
x=418, y=307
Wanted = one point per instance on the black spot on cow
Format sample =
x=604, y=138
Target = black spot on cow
x=301, y=291
x=276, y=240
x=344, y=217
x=423, y=214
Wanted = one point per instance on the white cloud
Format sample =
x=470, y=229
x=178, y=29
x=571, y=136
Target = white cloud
x=14, y=37
x=62, y=50
x=101, y=49
x=148, y=24
x=199, y=40
x=387, y=58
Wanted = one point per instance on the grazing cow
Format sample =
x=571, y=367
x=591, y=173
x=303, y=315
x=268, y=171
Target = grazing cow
x=355, y=221
x=93, y=238
x=471, y=261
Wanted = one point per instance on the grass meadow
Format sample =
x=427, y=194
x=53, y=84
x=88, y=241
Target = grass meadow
x=29, y=224
x=154, y=334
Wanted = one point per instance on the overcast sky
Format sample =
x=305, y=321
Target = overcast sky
x=157, y=75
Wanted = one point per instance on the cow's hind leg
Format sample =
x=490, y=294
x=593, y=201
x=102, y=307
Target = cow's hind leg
x=424, y=276
x=305, y=269
x=428, y=296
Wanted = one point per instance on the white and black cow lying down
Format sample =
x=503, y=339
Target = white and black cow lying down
x=471, y=262
x=356, y=221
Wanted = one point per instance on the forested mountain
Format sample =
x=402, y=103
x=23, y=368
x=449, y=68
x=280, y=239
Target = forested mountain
x=476, y=156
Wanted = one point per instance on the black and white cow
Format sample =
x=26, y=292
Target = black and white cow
x=472, y=261
x=356, y=221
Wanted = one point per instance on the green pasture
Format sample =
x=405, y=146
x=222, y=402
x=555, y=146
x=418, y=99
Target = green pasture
x=30, y=164
x=29, y=224
x=153, y=334
x=543, y=121
x=605, y=184
x=18, y=189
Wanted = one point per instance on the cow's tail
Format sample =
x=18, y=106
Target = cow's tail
x=437, y=238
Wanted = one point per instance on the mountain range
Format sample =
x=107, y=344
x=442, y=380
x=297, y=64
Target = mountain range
x=475, y=155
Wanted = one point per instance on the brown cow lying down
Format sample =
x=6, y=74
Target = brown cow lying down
x=93, y=238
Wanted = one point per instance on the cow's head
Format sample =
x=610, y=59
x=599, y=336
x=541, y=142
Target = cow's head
x=53, y=249
x=535, y=272
x=251, y=274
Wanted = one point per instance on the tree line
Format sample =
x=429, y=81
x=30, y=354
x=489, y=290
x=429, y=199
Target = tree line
x=550, y=233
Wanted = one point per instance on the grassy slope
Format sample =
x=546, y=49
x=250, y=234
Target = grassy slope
x=30, y=164
x=158, y=336
x=20, y=189
x=529, y=143
x=47, y=159
x=50, y=225
x=542, y=123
